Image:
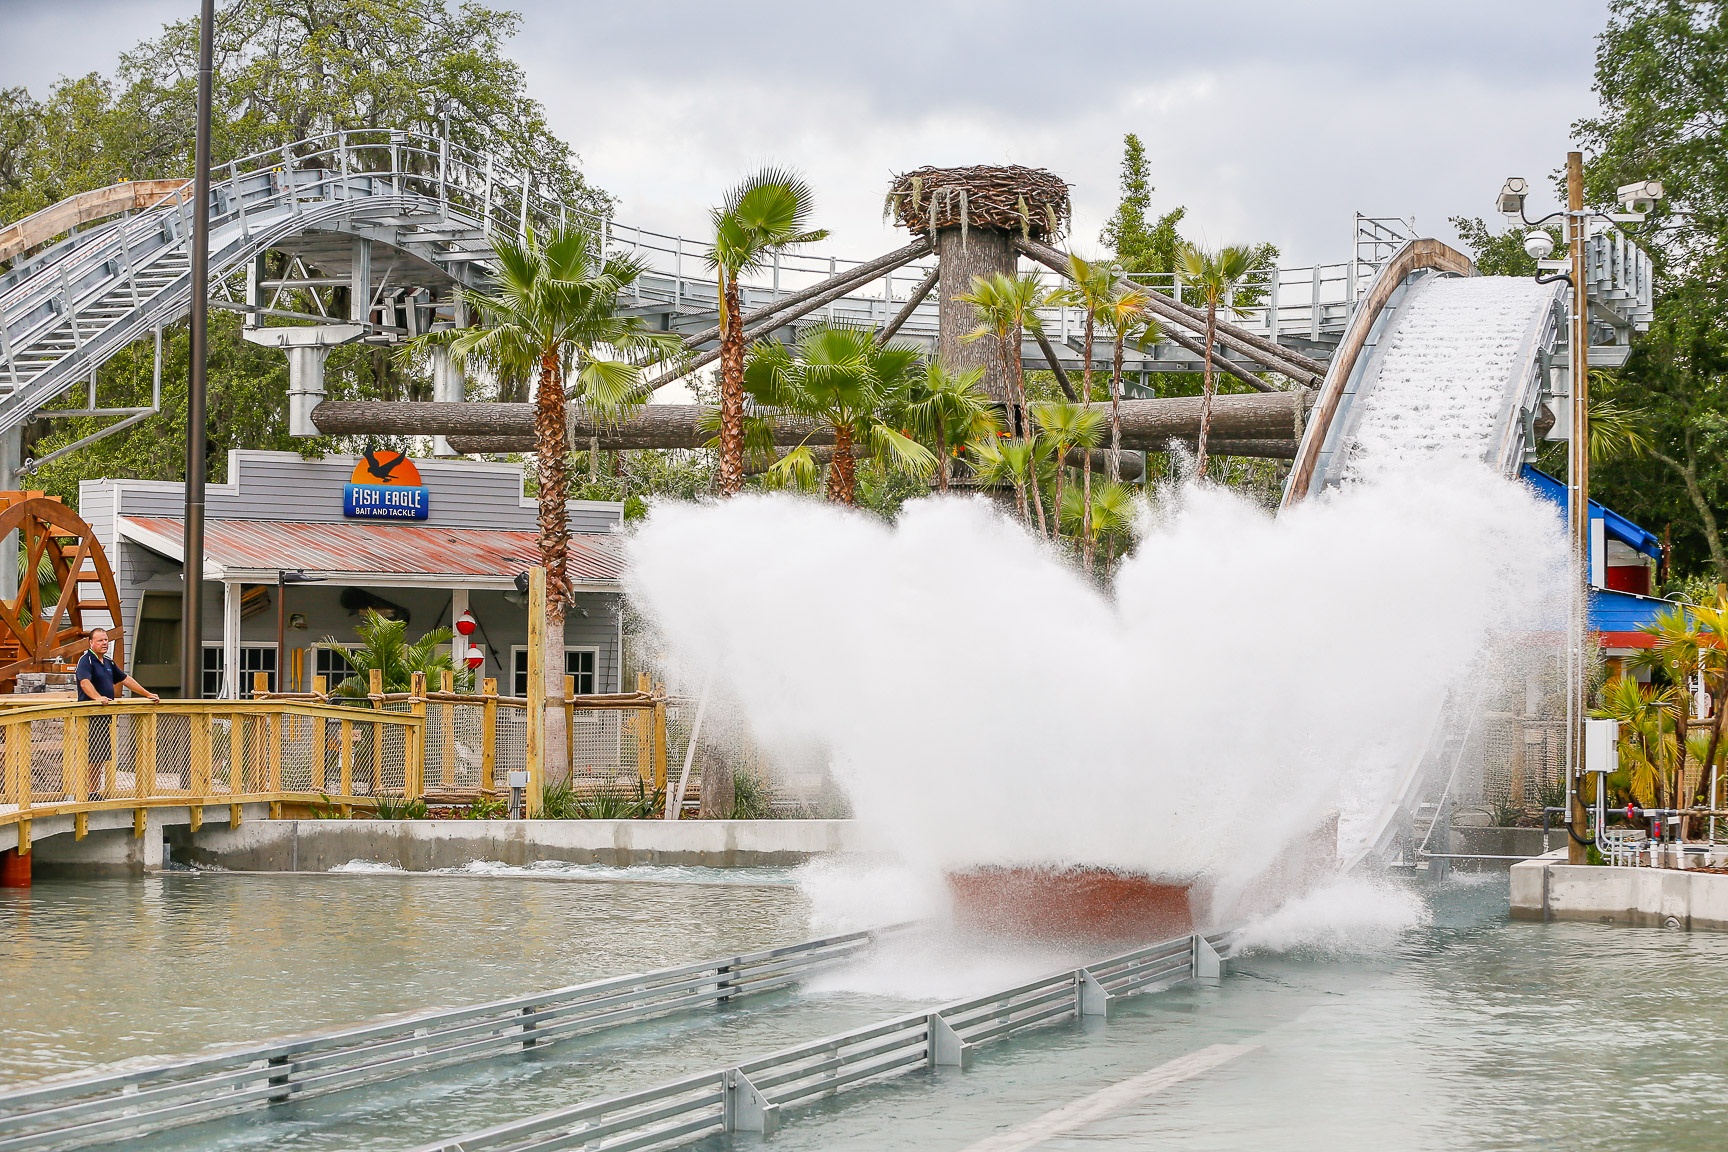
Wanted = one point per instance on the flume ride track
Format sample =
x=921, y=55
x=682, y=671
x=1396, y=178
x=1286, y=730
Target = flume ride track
x=1404, y=294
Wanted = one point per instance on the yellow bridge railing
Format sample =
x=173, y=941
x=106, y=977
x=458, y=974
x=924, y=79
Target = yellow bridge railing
x=82, y=757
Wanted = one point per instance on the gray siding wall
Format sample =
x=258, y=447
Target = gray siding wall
x=282, y=486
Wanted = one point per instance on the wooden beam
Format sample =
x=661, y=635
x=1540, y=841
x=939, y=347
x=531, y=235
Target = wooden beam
x=924, y=288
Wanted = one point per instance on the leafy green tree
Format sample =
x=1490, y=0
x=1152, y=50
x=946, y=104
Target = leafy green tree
x=285, y=69
x=839, y=375
x=1215, y=274
x=1093, y=287
x=998, y=462
x=1679, y=645
x=768, y=212
x=1142, y=248
x=1007, y=307
x=1126, y=317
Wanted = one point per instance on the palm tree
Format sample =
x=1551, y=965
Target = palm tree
x=1007, y=308
x=1713, y=619
x=1091, y=288
x=768, y=212
x=384, y=646
x=1110, y=519
x=839, y=374
x=1125, y=315
x=1064, y=426
x=1679, y=645
x=948, y=409
x=1216, y=275
x=997, y=461
x=552, y=308
x=1644, y=745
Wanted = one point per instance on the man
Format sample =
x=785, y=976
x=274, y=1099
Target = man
x=100, y=681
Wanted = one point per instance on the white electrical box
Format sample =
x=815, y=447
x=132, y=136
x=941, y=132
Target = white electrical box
x=518, y=778
x=1601, y=745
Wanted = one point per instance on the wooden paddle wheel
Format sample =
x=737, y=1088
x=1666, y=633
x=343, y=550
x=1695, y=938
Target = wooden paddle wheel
x=65, y=589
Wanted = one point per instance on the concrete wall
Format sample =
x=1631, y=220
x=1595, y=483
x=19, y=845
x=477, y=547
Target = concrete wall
x=422, y=845
x=1549, y=889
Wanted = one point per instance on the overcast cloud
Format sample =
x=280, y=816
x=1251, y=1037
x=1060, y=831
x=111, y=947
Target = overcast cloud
x=1269, y=121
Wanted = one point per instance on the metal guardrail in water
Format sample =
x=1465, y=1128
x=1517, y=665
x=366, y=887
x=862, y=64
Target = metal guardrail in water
x=115, y=1105
x=749, y=1097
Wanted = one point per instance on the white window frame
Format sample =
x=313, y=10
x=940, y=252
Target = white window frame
x=591, y=649
x=313, y=671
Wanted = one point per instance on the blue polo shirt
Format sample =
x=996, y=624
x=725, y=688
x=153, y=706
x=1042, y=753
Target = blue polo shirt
x=104, y=675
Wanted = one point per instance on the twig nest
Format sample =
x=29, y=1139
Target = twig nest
x=1009, y=198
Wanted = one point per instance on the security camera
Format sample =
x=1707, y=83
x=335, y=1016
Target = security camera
x=1512, y=195
x=1539, y=245
x=1640, y=197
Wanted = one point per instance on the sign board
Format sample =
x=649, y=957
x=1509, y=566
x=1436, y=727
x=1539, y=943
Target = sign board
x=385, y=485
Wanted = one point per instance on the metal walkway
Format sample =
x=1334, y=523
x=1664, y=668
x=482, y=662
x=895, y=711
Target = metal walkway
x=394, y=221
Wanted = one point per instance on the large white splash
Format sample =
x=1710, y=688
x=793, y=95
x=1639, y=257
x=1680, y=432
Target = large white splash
x=984, y=704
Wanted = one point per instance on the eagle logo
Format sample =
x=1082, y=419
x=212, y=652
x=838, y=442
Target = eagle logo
x=383, y=466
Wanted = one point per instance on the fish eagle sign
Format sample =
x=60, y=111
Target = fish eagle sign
x=385, y=485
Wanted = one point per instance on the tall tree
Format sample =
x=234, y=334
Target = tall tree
x=1215, y=275
x=1064, y=426
x=839, y=375
x=768, y=212
x=1141, y=248
x=551, y=312
x=1125, y=317
x=1091, y=287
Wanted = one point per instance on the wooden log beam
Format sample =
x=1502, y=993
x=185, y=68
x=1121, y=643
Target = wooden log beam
x=510, y=427
x=805, y=303
x=852, y=277
x=1302, y=369
x=1262, y=449
x=911, y=305
x=1056, y=368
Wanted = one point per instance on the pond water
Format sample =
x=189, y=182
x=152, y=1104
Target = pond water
x=1468, y=1032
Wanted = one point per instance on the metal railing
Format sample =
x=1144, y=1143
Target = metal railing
x=752, y=1096
x=81, y=757
x=106, y=1106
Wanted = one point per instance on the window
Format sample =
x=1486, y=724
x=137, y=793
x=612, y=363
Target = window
x=253, y=658
x=578, y=662
x=331, y=663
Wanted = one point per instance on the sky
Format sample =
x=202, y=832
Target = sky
x=1267, y=120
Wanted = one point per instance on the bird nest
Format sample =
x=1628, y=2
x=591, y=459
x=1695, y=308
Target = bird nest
x=1009, y=198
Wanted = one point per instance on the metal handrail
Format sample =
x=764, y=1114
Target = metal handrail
x=750, y=1096
x=174, y=1093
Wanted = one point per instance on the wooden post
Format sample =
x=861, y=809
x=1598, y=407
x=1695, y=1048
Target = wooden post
x=144, y=754
x=274, y=721
x=1578, y=512
x=345, y=756
x=642, y=724
x=200, y=765
x=570, y=725
x=414, y=771
x=260, y=685
x=72, y=758
x=447, y=722
x=488, y=734
x=660, y=741
x=18, y=763
x=536, y=686
x=376, y=688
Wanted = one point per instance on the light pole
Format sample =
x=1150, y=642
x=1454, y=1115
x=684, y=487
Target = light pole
x=285, y=577
x=1637, y=199
x=192, y=538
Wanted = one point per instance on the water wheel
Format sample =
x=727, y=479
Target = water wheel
x=65, y=588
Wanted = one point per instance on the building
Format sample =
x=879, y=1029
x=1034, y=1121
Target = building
x=420, y=540
x=1624, y=559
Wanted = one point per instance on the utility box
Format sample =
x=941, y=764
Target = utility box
x=1601, y=745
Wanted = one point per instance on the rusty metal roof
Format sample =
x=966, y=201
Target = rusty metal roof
x=255, y=550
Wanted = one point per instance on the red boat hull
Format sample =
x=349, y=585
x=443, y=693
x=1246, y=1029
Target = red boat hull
x=1071, y=903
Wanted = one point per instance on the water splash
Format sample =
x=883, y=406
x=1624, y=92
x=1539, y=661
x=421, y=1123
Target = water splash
x=1348, y=917
x=984, y=704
